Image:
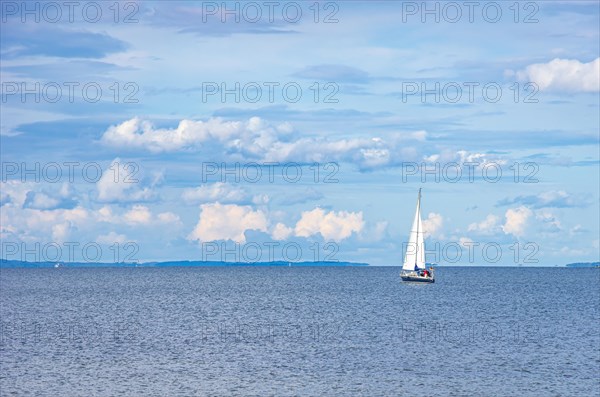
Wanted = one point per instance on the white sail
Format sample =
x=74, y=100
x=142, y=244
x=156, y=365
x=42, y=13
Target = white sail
x=415, y=250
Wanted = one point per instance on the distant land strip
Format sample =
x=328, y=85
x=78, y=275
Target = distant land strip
x=11, y=264
x=17, y=264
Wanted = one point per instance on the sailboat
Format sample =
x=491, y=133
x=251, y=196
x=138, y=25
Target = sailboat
x=414, y=268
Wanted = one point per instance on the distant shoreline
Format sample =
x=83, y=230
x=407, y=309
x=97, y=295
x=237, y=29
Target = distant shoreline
x=584, y=264
x=14, y=264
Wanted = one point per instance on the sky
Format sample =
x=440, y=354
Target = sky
x=300, y=131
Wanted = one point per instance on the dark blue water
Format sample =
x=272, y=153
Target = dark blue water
x=299, y=331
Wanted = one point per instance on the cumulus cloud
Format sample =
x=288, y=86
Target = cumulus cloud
x=138, y=133
x=169, y=217
x=31, y=224
x=258, y=140
x=61, y=231
x=119, y=183
x=15, y=192
x=281, y=231
x=71, y=216
x=487, y=226
x=111, y=238
x=568, y=75
x=219, y=221
x=261, y=199
x=465, y=242
x=549, y=221
x=29, y=195
x=32, y=216
x=227, y=222
x=420, y=135
x=40, y=200
x=331, y=225
x=516, y=220
x=576, y=230
x=432, y=225
x=219, y=191
x=375, y=157
x=477, y=162
x=374, y=232
x=105, y=214
x=138, y=214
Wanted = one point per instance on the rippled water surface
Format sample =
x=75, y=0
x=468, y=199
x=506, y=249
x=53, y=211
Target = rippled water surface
x=299, y=331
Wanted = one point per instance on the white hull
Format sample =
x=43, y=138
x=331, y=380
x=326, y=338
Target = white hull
x=416, y=277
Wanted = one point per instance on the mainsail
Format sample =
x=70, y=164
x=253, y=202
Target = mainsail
x=415, y=250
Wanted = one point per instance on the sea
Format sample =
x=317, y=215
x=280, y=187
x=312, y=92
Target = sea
x=299, y=331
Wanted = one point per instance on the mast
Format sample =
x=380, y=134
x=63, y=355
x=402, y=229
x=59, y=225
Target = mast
x=419, y=214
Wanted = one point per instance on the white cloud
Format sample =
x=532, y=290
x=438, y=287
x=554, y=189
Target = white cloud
x=516, y=220
x=60, y=225
x=219, y=191
x=463, y=165
x=65, y=190
x=15, y=192
x=120, y=182
x=432, y=225
x=380, y=230
x=362, y=151
x=105, y=214
x=81, y=224
x=230, y=222
x=372, y=233
x=169, y=217
x=41, y=201
x=564, y=199
x=374, y=157
x=35, y=195
x=260, y=199
x=31, y=224
x=40, y=218
x=111, y=238
x=465, y=242
x=420, y=135
x=564, y=75
x=60, y=231
x=139, y=133
x=487, y=226
x=257, y=140
x=577, y=229
x=139, y=214
x=227, y=222
x=281, y=231
x=549, y=221
x=332, y=226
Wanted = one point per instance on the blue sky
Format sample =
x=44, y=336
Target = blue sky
x=135, y=101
